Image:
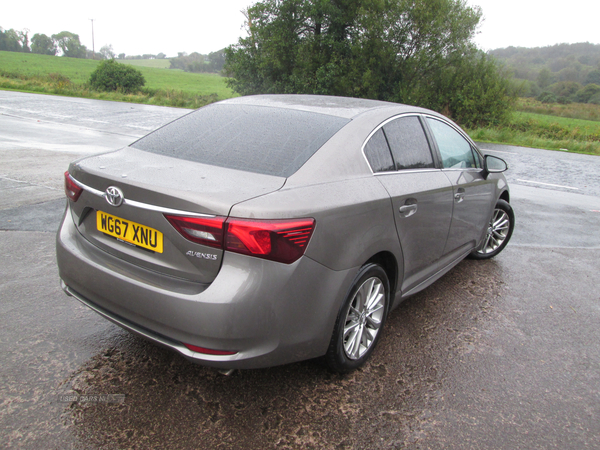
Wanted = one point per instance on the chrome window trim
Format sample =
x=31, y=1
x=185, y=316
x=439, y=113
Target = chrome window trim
x=140, y=205
x=396, y=172
x=381, y=125
x=452, y=125
x=465, y=169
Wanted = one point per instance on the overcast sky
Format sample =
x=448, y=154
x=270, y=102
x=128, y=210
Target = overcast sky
x=134, y=27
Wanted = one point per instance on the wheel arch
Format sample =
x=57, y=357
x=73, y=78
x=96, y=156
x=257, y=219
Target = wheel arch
x=388, y=262
x=505, y=196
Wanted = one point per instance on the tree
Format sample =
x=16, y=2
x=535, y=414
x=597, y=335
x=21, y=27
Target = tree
x=14, y=41
x=196, y=62
x=107, y=52
x=547, y=97
x=397, y=50
x=113, y=76
x=216, y=60
x=545, y=78
x=481, y=97
x=566, y=89
x=593, y=77
x=69, y=44
x=43, y=45
x=587, y=93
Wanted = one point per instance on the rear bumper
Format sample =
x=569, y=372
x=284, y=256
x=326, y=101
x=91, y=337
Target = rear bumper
x=129, y=326
x=268, y=313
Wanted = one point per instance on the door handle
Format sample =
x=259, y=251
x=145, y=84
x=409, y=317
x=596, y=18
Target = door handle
x=460, y=195
x=408, y=210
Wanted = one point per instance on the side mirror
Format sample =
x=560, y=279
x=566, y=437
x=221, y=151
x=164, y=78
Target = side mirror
x=493, y=164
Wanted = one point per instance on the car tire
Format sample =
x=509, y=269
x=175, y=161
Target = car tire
x=499, y=231
x=360, y=321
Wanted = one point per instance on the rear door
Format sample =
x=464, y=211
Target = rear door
x=473, y=193
x=421, y=194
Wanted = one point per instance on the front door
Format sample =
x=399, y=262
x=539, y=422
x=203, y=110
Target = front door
x=473, y=194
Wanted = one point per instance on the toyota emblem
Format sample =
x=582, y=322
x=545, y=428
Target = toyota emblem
x=114, y=196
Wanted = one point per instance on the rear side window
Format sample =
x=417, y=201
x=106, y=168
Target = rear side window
x=378, y=153
x=259, y=139
x=408, y=143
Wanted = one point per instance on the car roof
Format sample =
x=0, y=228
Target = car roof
x=345, y=107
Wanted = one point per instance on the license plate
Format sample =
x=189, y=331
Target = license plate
x=131, y=232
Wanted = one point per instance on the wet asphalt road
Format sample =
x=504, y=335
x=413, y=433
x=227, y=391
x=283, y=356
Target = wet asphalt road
x=499, y=354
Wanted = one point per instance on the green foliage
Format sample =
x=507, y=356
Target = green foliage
x=43, y=45
x=525, y=88
x=106, y=51
x=482, y=96
x=14, y=41
x=595, y=99
x=545, y=78
x=593, y=77
x=59, y=80
x=69, y=44
x=545, y=66
x=197, y=63
x=416, y=52
x=547, y=97
x=565, y=90
x=587, y=93
x=112, y=76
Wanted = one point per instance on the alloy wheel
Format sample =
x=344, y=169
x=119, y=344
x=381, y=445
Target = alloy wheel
x=497, y=231
x=364, y=318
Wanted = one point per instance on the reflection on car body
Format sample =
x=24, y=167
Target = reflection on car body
x=272, y=229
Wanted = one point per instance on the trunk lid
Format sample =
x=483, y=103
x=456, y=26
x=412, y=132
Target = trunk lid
x=152, y=185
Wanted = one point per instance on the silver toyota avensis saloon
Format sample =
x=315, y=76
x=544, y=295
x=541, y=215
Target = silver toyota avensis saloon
x=264, y=230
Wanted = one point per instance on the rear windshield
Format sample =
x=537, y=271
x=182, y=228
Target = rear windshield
x=259, y=139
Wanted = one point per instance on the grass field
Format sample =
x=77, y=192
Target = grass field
x=574, y=127
x=78, y=71
x=572, y=110
x=545, y=131
x=155, y=63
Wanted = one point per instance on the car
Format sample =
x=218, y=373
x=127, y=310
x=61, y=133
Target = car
x=265, y=230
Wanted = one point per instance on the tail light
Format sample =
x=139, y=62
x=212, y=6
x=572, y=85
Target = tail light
x=71, y=189
x=276, y=240
x=201, y=230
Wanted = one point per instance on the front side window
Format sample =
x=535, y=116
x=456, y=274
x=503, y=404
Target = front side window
x=455, y=150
